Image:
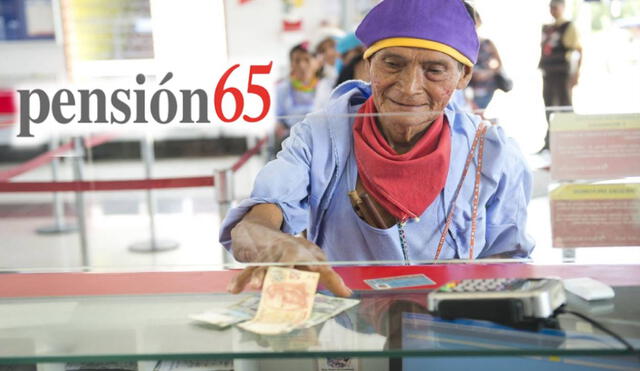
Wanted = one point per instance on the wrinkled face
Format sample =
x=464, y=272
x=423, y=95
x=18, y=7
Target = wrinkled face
x=418, y=82
x=302, y=67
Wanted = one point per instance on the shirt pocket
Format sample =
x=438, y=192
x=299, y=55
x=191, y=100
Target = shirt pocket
x=461, y=230
x=450, y=246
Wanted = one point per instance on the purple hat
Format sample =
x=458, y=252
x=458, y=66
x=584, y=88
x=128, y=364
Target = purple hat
x=442, y=25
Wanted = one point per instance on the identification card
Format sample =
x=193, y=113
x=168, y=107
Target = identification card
x=397, y=282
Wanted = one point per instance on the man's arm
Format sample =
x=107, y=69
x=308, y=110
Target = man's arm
x=575, y=76
x=259, y=229
x=284, y=183
x=571, y=40
x=262, y=227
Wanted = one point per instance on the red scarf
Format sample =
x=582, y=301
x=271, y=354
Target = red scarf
x=405, y=185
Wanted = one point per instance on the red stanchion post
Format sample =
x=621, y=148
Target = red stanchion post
x=59, y=224
x=154, y=244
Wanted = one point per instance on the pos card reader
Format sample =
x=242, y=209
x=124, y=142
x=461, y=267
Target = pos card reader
x=522, y=303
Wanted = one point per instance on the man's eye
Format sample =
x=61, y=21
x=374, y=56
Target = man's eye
x=435, y=70
x=392, y=64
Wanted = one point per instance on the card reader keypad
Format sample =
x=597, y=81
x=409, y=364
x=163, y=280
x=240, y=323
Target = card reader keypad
x=498, y=299
x=483, y=285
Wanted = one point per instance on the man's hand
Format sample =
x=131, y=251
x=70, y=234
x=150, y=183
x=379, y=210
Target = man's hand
x=256, y=239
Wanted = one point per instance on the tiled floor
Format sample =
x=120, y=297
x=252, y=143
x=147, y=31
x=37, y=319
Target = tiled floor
x=188, y=216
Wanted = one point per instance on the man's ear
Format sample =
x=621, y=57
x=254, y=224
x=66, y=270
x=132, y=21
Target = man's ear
x=465, y=78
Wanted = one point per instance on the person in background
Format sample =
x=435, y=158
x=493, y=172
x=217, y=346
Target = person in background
x=560, y=42
x=352, y=66
x=295, y=95
x=327, y=55
x=483, y=82
x=379, y=175
x=356, y=69
x=349, y=47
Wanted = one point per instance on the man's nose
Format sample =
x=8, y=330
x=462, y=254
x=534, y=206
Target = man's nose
x=411, y=80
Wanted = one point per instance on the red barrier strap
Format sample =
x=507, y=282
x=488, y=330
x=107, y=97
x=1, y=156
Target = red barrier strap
x=107, y=185
x=48, y=156
x=35, y=162
x=247, y=155
x=97, y=140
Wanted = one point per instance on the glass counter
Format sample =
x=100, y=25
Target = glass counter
x=386, y=323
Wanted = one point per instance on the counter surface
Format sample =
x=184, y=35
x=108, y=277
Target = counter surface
x=59, y=317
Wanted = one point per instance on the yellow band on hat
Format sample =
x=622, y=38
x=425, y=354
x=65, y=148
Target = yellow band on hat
x=417, y=43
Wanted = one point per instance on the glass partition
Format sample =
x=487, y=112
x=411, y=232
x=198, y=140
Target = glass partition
x=164, y=187
x=129, y=131
x=384, y=324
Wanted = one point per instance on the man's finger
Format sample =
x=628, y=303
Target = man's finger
x=333, y=282
x=257, y=278
x=238, y=282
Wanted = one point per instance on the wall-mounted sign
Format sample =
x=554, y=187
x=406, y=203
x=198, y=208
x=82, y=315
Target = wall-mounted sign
x=595, y=146
x=595, y=215
x=107, y=30
x=26, y=20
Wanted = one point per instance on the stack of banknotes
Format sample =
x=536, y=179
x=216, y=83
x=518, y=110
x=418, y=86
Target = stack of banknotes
x=288, y=302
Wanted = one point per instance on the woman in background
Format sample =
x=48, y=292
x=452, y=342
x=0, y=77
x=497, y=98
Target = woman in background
x=352, y=67
x=327, y=57
x=295, y=95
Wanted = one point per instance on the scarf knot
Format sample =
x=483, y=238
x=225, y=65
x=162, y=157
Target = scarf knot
x=404, y=184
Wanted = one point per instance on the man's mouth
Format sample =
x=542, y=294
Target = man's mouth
x=408, y=105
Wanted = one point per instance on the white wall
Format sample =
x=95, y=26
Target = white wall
x=254, y=29
x=189, y=36
x=20, y=60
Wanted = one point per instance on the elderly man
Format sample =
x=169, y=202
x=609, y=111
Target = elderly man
x=410, y=178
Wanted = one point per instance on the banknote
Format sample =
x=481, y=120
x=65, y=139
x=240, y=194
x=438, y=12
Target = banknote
x=241, y=311
x=286, y=301
x=324, y=308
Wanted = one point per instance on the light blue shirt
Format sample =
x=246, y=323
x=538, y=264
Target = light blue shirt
x=313, y=173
